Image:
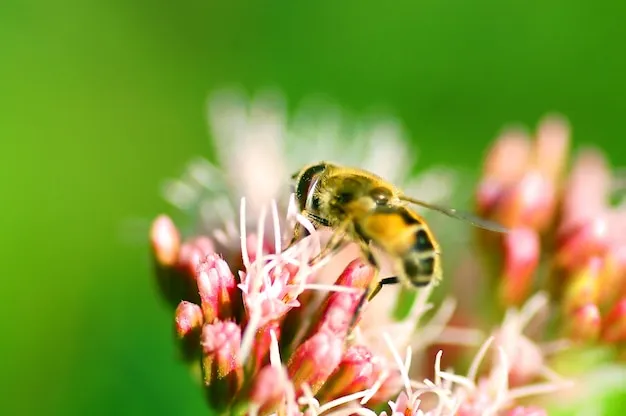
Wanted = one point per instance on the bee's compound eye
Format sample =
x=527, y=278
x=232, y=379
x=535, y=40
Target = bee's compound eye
x=381, y=195
x=344, y=197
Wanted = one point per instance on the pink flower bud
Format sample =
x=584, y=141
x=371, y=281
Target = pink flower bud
x=521, y=257
x=165, y=240
x=262, y=341
x=528, y=203
x=612, y=279
x=489, y=192
x=519, y=179
x=552, y=146
x=268, y=389
x=587, y=189
x=188, y=318
x=505, y=163
x=359, y=369
x=315, y=360
x=189, y=259
x=204, y=244
x=192, y=253
x=578, y=243
x=188, y=326
x=582, y=288
x=584, y=323
x=509, y=157
x=337, y=311
x=167, y=250
x=217, y=288
x=614, y=325
x=221, y=367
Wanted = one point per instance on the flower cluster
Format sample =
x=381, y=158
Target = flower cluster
x=267, y=332
x=263, y=339
x=274, y=339
x=566, y=236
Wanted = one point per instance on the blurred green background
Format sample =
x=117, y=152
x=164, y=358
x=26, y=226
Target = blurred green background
x=102, y=100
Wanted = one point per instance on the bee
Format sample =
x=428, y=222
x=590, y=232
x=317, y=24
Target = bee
x=363, y=208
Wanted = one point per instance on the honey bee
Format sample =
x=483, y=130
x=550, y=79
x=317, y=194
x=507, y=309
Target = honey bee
x=363, y=208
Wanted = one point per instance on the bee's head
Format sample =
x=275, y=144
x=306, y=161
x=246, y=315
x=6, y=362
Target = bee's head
x=305, y=178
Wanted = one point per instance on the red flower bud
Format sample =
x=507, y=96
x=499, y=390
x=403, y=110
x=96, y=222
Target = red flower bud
x=521, y=257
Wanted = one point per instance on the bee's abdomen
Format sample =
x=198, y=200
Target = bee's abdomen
x=422, y=241
x=420, y=267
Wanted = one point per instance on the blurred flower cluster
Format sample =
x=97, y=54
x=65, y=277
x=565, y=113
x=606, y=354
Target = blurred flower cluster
x=267, y=333
x=568, y=231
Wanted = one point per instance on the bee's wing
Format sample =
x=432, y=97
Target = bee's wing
x=461, y=215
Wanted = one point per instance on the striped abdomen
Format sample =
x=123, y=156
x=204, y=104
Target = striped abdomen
x=404, y=235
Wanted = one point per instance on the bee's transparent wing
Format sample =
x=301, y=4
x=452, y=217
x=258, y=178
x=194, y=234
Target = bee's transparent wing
x=461, y=215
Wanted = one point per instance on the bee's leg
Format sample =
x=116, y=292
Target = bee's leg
x=372, y=289
x=383, y=282
x=299, y=232
x=334, y=244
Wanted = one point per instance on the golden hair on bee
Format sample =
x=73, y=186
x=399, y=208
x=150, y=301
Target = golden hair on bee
x=363, y=208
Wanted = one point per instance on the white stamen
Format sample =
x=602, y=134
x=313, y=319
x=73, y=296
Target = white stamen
x=243, y=233
x=292, y=206
x=403, y=371
x=531, y=308
x=303, y=267
x=415, y=404
x=292, y=210
x=377, y=385
x=536, y=389
x=437, y=324
x=420, y=306
x=265, y=278
x=248, y=335
x=503, y=380
x=447, y=384
x=342, y=400
x=455, y=378
x=259, y=245
x=273, y=260
x=422, y=385
x=309, y=399
x=430, y=387
x=306, y=223
x=407, y=357
x=438, y=367
x=473, y=370
x=276, y=222
x=275, y=360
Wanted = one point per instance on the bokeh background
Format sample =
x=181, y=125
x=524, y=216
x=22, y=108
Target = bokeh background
x=100, y=101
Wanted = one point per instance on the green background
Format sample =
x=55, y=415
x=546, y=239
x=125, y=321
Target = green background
x=102, y=100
